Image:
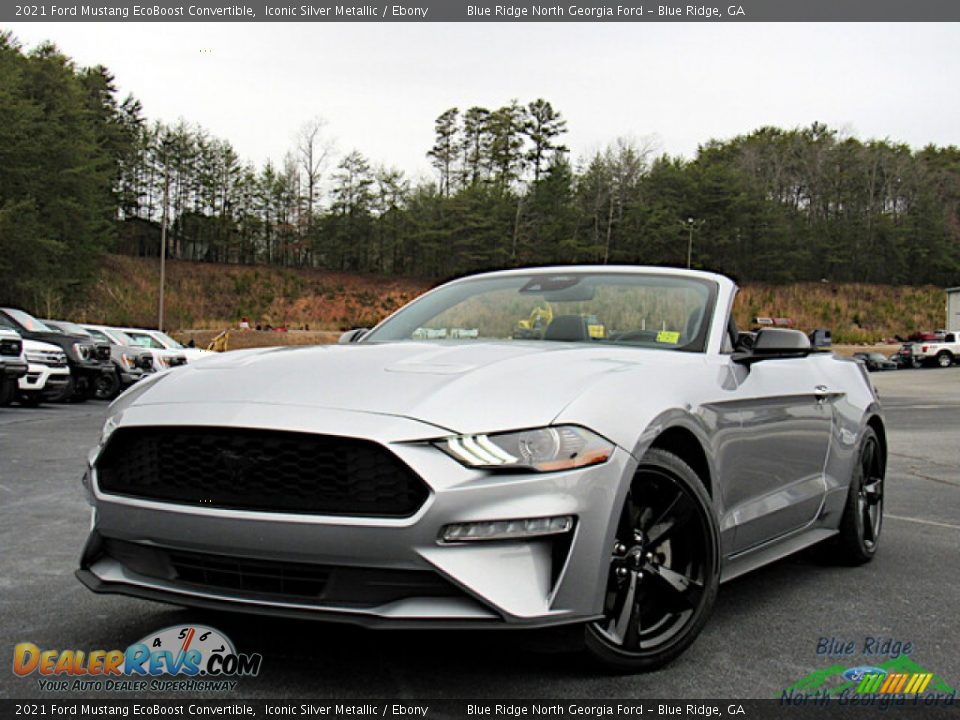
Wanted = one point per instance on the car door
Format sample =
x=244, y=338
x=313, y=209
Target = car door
x=775, y=472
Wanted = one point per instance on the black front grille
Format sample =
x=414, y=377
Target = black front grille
x=10, y=348
x=329, y=584
x=103, y=353
x=145, y=361
x=264, y=470
x=177, y=361
x=275, y=578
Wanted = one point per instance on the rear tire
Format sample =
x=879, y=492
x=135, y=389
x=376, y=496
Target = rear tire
x=664, y=569
x=944, y=359
x=863, y=515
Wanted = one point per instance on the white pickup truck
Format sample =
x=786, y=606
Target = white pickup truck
x=48, y=375
x=13, y=365
x=943, y=352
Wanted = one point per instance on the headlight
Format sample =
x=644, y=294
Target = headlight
x=112, y=423
x=128, y=361
x=164, y=361
x=542, y=449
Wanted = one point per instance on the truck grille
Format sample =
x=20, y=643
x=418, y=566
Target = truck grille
x=145, y=361
x=103, y=352
x=10, y=347
x=264, y=470
x=47, y=357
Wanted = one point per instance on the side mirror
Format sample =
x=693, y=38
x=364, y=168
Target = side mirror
x=774, y=343
x=352, y=336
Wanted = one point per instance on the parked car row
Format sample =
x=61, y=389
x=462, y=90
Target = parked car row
x=45, y=360
x=943, y=351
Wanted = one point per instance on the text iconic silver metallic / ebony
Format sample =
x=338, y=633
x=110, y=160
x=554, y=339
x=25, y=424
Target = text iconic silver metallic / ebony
x=594, y=445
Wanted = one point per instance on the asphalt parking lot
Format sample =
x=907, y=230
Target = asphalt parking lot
x=762, y=636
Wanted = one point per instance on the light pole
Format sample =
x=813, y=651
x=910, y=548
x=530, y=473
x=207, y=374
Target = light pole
x=163, y=248
x=163, y=230
x=690, y=225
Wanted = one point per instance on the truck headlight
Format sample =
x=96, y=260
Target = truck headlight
x=547, y=449
x=128, y=361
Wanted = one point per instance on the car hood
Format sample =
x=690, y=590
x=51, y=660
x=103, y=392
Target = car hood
x=468, y=387
x=38, y=346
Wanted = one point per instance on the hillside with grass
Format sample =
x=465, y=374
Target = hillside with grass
x=206, y=296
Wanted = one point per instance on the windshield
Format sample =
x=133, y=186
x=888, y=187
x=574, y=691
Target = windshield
x=657, y=311
x=67, y=327
x=120, y=337
x=27, y=321
x=144, y=340
x=167, y=340
x=97, y=335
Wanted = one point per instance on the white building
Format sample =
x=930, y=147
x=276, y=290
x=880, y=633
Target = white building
x=953, y=309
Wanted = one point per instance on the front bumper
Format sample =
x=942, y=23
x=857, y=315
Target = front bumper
x=545, y=581
x=131, y=376
x=47, y=379
x=13, y=369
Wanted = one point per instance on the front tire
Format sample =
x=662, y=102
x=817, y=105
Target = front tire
x=944, y=359
x=664, y=569
x=106, y=386
x=863, y=515
x=29, y=398
x=8, y=389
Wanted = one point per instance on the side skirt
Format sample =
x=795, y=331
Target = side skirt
x=748, y=560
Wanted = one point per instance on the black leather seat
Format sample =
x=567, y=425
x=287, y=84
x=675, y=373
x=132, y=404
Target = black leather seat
x=567, y=328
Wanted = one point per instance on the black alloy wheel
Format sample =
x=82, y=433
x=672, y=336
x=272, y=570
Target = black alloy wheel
x=664, y=568
x=863, y=515
x=106, y=386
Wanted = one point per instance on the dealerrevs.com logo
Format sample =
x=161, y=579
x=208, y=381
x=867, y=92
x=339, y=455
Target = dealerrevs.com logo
x=191, y=658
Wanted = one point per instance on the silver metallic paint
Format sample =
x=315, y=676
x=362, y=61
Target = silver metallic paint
x=780, y=439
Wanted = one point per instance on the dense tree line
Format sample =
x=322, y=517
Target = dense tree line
x=62, y=140
x=82, y=173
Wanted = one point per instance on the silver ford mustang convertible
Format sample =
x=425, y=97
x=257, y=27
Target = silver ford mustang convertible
x=592, y=445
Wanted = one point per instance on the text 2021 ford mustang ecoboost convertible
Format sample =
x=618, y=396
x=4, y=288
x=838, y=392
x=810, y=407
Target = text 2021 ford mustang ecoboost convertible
x=594, y=445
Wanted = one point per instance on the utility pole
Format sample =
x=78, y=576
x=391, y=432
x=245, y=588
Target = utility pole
x=163, y=241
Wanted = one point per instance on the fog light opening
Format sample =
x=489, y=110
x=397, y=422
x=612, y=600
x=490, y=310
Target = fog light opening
x=507, y=529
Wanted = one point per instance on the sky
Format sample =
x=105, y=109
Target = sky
x=379, y=87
